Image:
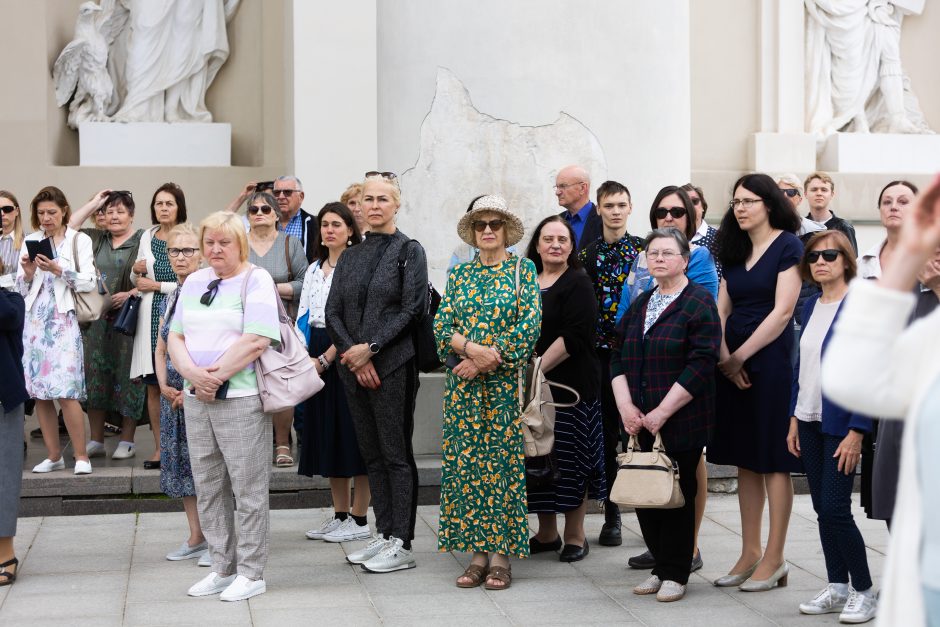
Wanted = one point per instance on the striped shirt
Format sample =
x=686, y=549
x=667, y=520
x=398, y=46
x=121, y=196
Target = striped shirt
x=210, y=331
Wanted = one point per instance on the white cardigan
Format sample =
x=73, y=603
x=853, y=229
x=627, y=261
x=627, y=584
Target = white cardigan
x=142, y=358
x=877, y=366
x=84, y=281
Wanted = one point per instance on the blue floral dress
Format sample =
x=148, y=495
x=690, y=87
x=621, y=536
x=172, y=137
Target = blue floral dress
x=176, y=473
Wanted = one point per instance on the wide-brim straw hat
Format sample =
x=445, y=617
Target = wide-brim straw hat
x=491, y=204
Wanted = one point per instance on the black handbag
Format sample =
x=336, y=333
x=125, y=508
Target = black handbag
x=126, y=321
x=423, y=326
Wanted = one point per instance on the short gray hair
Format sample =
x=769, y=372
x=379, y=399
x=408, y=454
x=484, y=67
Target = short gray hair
x=669, y=233
x=288, y=177
x=791, y=180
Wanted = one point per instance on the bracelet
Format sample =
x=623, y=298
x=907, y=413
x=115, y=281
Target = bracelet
x=466, y=341
x=324, y=362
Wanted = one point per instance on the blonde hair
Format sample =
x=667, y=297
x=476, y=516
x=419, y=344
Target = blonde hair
x=182, y=230
x=395, y=192
x=822, y=176
x=353, y=191
x=228, y=223
x=17, y=221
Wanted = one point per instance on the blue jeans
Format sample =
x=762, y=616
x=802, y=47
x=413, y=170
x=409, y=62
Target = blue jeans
x=831, y=491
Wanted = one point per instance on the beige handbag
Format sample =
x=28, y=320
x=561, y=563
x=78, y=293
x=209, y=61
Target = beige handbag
x=93, y=305
x=538, y=408
x=649, y=480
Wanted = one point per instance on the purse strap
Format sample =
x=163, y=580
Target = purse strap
x=290, y=271
x=634, y=445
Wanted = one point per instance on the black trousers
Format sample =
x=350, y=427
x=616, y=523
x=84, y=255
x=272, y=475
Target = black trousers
x=613, y=427
x=670, y=533
x=384, y=423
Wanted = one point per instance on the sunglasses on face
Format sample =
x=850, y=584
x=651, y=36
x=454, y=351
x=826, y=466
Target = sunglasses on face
x=480, y=225
x=829, y=255
x=264, y=209
x=385, y=175
x=286, y=193
x=791, y=193
x=209, y=296
x=8, y=208
x=676, y=212
x=176, y=252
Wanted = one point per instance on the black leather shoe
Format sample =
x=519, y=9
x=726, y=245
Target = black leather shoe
x=152, y=465
x=537, y=546
x=644, y=561
x=610, y=532
x=574, y=553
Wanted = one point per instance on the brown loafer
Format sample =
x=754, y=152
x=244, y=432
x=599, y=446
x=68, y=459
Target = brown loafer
x=476, y=573
x=501, y=574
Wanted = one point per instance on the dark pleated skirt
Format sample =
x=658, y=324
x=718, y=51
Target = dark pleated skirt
x=329, y=447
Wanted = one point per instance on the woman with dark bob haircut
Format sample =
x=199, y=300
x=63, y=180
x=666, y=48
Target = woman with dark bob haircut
x=759, y=255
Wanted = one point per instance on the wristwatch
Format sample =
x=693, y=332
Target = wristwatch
x=374, y=348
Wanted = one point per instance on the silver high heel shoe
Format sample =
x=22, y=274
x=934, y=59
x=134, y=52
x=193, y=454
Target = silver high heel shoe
x=779, y=578
x=729, y=581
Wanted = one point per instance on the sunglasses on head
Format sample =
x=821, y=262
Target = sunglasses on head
x=791, y=193
x=676, y=212
x=264, y=209
x=209, y=296
x=480, y=225
x=385, y=175
x=829, y=255
x=8, y=208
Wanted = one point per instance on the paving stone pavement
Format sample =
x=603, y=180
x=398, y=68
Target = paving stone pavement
x=110, y=570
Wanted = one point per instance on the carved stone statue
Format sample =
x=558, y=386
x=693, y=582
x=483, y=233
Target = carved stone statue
x=142, y=60
x=854, y=80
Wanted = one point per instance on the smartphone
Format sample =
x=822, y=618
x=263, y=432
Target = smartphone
x=220, y=393
x=263, y=186
x=453, y=360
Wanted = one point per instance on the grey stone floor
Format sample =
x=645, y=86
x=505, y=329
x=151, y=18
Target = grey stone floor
x=110, y=570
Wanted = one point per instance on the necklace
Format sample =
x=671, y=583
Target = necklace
x=328, y=263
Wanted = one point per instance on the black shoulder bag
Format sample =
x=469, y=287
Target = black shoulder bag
x=422, y=327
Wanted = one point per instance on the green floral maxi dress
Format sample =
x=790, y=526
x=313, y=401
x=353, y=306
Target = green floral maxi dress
x=483, y=493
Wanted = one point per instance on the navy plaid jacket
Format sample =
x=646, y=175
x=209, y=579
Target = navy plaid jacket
x=681, y=346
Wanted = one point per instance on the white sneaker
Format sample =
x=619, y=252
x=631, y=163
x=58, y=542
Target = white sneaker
x=650, y=586
x=124, y=450
x=826, y=602
x=347, y=531
x=47, y=465
x=393, y=557
x=95, y=449
x=82, y=467
x=860, y=608
x=205, y=559
x=210, y=584
x=243, y=588
x=670, y=591
x=329, y=524
x=186, y=552
x=366, y=553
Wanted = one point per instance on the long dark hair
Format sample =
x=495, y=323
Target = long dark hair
x=532, y=250
x=734, y=245
x=323, y=253
x=686, y=202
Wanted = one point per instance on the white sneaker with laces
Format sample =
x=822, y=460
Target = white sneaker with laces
x=205, y=559
x=860, y=608
x=243, y=588
x=47, y=465
x=124, y=450
x=650, y=586
x=347, y=531
x=186, y=552
x=393, y=557
x=329, y=524
x=82, y=467
x=828, y=601
x=370, y=550
x=212, y=583
x=670, y=591
x=95, y=449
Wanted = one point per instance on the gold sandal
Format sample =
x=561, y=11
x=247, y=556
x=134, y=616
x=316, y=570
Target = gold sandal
x=476, y=573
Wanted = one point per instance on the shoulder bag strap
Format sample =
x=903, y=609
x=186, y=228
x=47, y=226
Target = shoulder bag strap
x=75, y=252
x=290, y=271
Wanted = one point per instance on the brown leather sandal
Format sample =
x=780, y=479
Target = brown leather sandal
x=476, y=573
x=501, y=574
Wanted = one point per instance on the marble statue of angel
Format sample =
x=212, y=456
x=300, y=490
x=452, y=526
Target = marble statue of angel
x=81, y=73
x=854, y=79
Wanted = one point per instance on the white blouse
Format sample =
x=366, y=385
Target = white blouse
x=315, y=292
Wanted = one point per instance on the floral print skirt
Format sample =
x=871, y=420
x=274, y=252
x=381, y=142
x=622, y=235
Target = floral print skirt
x=53, y=357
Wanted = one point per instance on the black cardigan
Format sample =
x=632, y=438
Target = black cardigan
x=569, y=310
x=12, y=383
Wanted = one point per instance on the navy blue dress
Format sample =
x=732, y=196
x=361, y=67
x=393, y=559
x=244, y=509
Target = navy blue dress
x=752, y=424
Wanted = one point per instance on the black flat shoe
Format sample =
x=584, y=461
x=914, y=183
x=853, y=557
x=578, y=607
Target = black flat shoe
x=7, y=578
x=537, y=546
x=152, y=465
x=643, y=561
x=574, y=553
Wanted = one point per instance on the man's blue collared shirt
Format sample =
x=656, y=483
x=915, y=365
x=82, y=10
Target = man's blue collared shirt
x=578, y=220
x=295, y=227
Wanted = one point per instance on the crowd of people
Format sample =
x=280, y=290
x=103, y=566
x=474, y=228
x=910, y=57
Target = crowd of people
x=731, y=343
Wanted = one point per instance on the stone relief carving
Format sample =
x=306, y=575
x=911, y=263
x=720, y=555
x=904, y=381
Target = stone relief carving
x=854, y=79
x=475, y=153
x=143, y=60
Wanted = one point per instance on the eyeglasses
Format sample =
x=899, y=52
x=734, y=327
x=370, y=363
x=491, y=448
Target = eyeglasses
x=676, y=212
x=665, y=255
x=385, y=175
x=791, y=193
x=480, y=225
x=8, y=208
x=562, y=187
x=287, y=193
x=176, y=252
x=747, y=203
x=264, y=209
x=830, y=255
x=209, y=296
